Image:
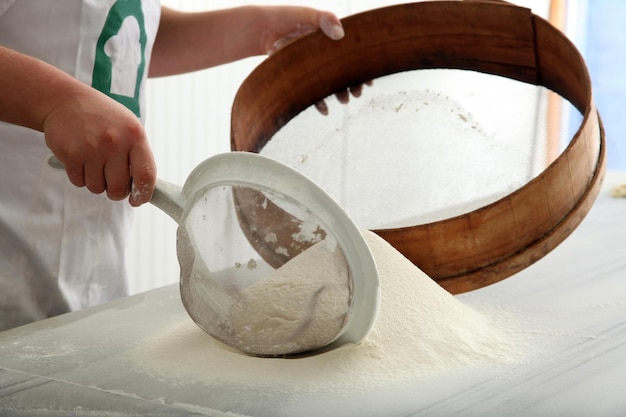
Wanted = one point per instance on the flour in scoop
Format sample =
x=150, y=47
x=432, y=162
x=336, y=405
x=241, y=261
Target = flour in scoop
x=421, y=332
x=301, y=306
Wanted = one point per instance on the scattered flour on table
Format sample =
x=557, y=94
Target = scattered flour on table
x=422, y=331
x=301, y=306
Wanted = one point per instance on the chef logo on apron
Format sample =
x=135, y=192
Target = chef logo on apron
x=120, y=57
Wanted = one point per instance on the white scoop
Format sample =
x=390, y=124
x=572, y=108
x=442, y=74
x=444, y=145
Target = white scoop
x=242, y=217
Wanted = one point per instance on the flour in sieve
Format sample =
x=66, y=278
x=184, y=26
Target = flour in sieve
x=422, y=332
x=301, y=306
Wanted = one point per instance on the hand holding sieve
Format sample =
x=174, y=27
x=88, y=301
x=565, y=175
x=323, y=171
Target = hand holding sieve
x=242, y=217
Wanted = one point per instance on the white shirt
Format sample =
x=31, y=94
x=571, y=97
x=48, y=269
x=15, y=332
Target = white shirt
x=61, y=247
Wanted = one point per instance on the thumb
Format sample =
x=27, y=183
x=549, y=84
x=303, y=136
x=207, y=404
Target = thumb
x=143, y=173
x=331, y=26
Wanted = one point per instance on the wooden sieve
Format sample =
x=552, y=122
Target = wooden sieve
x=493, y=242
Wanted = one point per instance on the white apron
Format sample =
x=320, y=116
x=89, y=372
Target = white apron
x=61, y=247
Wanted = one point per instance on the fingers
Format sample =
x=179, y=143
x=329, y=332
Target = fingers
x=117, y=176
x=115, y=173
x=322, y=107
x=342, y=96
x=123, y=159
x=94, y=176
x=76, y=175
x=124, y=175
x=356, y=91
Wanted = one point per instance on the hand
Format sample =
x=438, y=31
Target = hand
x=297, y=22
x=286, y=24
x=102, y=145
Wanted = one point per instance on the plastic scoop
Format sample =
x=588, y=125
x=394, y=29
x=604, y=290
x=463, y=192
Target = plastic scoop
x=270, y=263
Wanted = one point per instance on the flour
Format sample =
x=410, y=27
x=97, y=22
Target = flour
x=422, y=332
x=302, y=306
x=432, y=153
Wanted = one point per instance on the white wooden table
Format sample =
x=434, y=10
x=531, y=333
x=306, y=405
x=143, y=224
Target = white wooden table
x=575, y=298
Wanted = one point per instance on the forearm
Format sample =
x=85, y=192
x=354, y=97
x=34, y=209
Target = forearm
x=30, y=89
x=192, y=41
x=100, y=142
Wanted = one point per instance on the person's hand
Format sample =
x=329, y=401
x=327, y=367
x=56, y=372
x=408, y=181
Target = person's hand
x=297, y=22
x=286, y=24
x=102, y=146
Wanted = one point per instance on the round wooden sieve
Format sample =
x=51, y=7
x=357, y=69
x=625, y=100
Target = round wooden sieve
x=491, y=243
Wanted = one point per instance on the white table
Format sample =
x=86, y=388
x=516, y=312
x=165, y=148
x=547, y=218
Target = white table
x=84, y=363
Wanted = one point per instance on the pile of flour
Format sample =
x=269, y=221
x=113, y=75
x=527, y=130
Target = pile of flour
x=421, y=331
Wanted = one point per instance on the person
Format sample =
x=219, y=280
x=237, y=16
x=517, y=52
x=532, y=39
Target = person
x=72, y=83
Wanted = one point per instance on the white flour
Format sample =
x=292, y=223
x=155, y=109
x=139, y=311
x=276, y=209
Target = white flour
x=422, y=331
x=301, y=306
x=411, y=143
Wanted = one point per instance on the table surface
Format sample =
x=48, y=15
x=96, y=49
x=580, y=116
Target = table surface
x=95, y=361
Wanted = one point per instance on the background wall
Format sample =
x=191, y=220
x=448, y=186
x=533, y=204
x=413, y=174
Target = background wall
x=604, y=48
x=189, y=120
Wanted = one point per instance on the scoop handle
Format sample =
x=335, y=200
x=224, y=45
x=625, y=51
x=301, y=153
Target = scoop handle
x=167, y=196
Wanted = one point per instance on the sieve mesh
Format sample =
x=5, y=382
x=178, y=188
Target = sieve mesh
x=426, y=145
x=232, y=241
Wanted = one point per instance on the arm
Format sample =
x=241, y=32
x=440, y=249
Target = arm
x=192, y=41
x=101, y=143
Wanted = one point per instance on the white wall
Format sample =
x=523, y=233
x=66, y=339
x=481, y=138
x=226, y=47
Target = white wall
x=188, y=121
